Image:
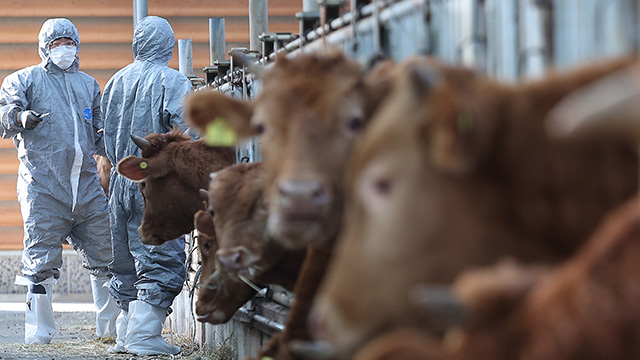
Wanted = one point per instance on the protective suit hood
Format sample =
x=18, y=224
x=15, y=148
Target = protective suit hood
x=54, y=29
x=153, y=40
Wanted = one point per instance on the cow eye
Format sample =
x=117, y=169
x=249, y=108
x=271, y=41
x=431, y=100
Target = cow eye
x=211, y=212
x=260, y=129
x=207, y=245
x=355, y=123
x=383, y=186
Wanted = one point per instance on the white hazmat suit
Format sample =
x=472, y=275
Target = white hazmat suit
x=58, y=187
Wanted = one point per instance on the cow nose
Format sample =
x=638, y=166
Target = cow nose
x=230, y=260
x=311, y=190
x=317, y=325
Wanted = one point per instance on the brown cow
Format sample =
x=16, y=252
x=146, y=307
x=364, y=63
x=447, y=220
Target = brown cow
x=467, y=177
x=587, y=308
x=242, y=246
x=219, y=296
x=171, y=172
x=307, y=117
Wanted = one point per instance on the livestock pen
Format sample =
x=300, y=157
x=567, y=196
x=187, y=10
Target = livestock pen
x=507, y=39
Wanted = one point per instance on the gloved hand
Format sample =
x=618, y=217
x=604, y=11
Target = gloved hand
x=29, y=119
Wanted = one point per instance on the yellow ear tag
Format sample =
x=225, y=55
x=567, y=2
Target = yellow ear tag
x=220, y=134
x=143, y=165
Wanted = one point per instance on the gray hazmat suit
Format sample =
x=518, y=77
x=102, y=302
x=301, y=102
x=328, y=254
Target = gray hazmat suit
x=58, y=187
x=144, y=97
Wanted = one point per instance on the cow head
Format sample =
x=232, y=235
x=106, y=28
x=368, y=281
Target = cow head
x=310, y=111
x=239, y=214
x=405, y=206
x=170, y=172
x=219, y=296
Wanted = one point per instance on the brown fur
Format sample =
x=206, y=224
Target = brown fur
x=104, y=172
x=586, y=308
x=306, y=112
x=466, y=178
x=177, y=170
x=404, y=344
x=236, y=202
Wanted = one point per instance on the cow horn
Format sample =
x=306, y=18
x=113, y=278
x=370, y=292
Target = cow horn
x=243, y=60
x=204, y=194
x=315, y=350
x=142, y=143
x=441, y=301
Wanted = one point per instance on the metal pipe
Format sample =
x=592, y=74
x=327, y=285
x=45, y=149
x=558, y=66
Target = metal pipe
x=185, y=57
x=258, y=22
x=217, y=43
x=253, y=317
x=310, y=6
x=140, y=11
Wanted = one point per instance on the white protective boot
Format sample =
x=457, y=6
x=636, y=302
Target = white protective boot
x=121, y=330
x=106, y=309
x=39, y=326
x=144, y=333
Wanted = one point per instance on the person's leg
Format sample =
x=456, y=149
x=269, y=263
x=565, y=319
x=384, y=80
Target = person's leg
x=90, y=237
x=46, y=225
x=161, y=273
x=122, y=266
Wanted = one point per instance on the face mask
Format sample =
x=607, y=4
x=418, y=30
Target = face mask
x=63, y=56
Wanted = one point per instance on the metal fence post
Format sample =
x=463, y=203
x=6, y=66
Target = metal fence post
x=217, y=44
x=258, y=22
x=185, y=57
x=140, y=11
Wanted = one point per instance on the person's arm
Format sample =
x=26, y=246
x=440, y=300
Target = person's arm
x=174, y=105
x=98, y=125
x=13, y=100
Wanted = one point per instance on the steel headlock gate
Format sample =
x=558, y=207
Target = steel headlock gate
x=507, y=39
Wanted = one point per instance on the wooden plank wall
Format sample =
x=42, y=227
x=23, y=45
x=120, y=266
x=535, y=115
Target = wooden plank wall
x=106, y=29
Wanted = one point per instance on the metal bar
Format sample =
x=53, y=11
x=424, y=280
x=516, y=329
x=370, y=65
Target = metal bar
x=310, y=6
x=217, y=42
x=185, y=57
x=252, y=317
x=258, y=22
x=140, y=11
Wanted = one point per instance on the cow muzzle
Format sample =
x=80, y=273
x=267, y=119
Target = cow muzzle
x=236, y=259
x=149, y=239
x=300, y=211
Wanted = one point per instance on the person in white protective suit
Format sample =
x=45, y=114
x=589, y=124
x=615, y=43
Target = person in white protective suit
x=144, y=97
x=52, y=113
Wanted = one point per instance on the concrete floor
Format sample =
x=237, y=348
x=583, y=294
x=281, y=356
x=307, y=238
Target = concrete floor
x=75, y=337
x=75, y=323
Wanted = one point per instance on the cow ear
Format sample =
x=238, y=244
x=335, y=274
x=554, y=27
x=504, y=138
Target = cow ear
x=205, y=107
x=608, y=107
x=423, y=77
x=137, y=169
x=379, y=80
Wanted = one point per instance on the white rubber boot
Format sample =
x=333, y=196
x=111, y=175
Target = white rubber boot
x=106, y=309
x=144, y=333
x=121, y=332
x=39, y=326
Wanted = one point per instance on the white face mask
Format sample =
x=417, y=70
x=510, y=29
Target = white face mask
x=63, y=56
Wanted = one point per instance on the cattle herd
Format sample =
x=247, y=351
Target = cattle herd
x=416, y=210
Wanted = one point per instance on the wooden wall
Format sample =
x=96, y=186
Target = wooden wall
x=106, y=30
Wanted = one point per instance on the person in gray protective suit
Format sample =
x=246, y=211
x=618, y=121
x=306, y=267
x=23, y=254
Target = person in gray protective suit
x=144, y=97
x=52, y=113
